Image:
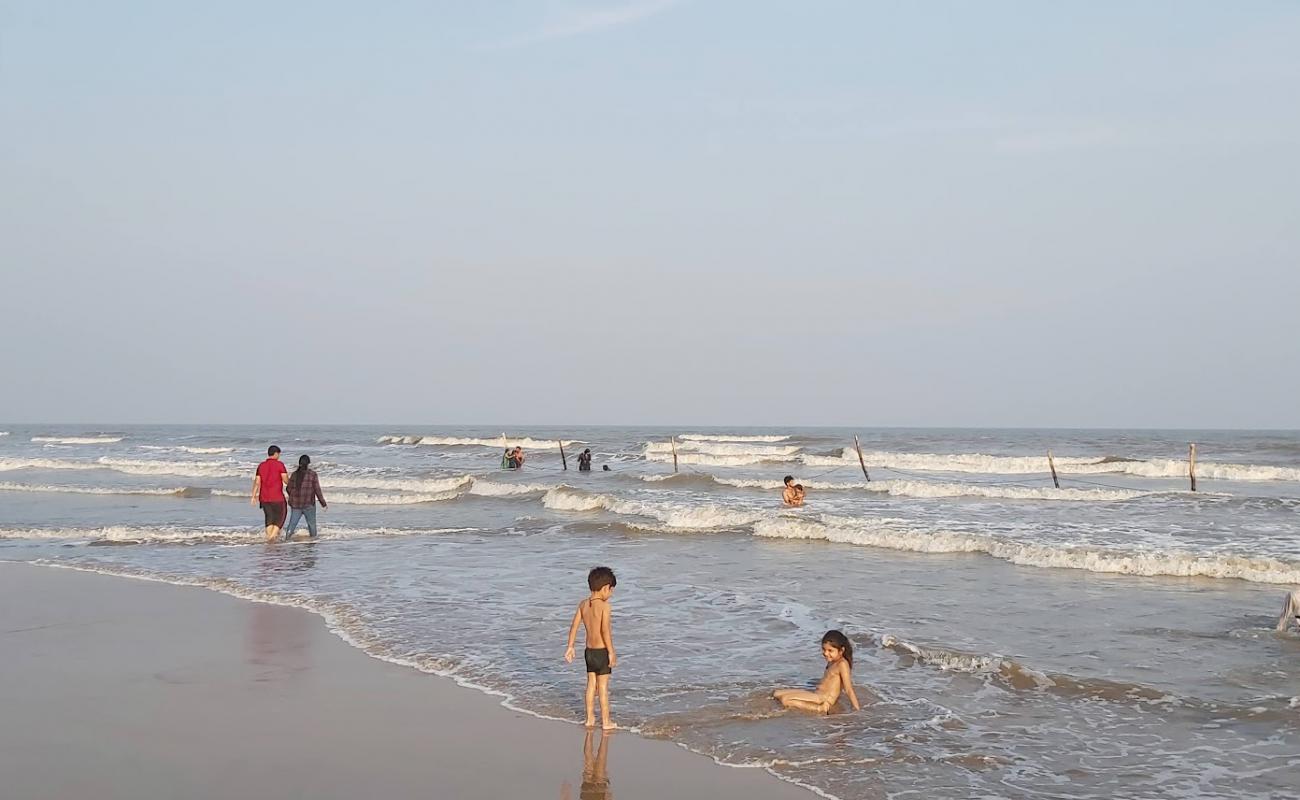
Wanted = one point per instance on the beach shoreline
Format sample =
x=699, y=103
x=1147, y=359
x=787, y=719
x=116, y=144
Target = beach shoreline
x=117, y=688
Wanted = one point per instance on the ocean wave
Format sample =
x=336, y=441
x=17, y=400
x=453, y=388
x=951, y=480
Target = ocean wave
x=527, y=443
x=720, y=437
x=980, y=463
x=919, y=489
x=132, y=467
x=712, y=460
x=487, y=488
x=766, y=451
x=1015, y=675
x=206, y=450
x=429, y=485
x=213, y=469
x=367, y=498
x=671, y=515
x=101, y=490
x=78, y=439
x=895, y=535
x=140, y=534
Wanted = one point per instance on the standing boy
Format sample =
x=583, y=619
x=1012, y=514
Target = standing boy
x=268, y=492
x=593, y=615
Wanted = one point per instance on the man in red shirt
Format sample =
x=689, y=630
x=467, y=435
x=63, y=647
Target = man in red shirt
x=268, y=491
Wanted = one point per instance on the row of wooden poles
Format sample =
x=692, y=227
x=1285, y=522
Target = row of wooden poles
x=862, y=462
x=1191, y=466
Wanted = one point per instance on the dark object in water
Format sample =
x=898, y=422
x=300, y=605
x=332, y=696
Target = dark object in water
x=194, y=491
x=606, y=468
x=1118, y=460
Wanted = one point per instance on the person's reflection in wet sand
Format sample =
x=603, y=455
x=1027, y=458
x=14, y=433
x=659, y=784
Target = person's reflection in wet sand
x=595, y=774
x=279, y=641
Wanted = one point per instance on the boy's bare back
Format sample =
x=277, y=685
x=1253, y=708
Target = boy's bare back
x=595, y=621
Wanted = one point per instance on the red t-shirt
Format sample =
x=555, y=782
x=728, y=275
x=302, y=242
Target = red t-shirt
x=272, y=489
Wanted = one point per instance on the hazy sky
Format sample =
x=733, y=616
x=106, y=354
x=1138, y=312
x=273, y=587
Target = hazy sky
x=656, y=212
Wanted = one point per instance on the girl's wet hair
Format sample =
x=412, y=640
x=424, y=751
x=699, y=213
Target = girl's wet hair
x=839, y=640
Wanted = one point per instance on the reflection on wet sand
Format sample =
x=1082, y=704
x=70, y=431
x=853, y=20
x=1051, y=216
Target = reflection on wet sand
x=595, y=774
x=279, y=643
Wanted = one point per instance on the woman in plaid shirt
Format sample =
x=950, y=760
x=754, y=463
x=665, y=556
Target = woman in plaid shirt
x=304, y=491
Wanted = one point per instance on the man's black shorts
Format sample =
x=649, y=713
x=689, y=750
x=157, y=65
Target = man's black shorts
x=597, y=660
x=274, y=513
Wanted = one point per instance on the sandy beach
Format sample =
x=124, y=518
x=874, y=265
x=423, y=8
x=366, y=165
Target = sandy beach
x=118, y=688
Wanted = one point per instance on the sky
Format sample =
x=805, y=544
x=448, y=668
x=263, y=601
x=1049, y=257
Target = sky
x=658, y=212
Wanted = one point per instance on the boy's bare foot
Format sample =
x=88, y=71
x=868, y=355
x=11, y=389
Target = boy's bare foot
x=590, y=723
x=608, y=726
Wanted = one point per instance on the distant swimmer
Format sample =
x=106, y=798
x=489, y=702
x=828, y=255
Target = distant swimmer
x=1290, y=612
x=304, y=491
x=598, y=652
x=584, y=460
x=836, y=680
x=792, y=495
x=507, y=459
x=517, y=457
x=268, y=491
x=606, y=468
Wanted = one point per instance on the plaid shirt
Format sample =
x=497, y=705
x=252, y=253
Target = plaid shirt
x=307, y=492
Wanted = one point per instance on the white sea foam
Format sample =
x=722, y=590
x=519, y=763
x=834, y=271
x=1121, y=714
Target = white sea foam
x=4, y=433
x=895, y=535
x=527, y=443
x=487, y=488
x=429, y=485
x=711, y=460
x=934, y=489
x=126, y=534
x=719, y=437
x=206, y=450
x=78, y=439
x=214, y=469
x=1065, y=465
x=142, y=467
x=103, y=490
x=767, y=451
x=672, y=515
x=368, y=498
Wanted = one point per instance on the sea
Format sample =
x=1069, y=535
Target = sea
x=1110, y=638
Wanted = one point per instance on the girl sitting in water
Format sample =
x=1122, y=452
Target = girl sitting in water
x=838, y=652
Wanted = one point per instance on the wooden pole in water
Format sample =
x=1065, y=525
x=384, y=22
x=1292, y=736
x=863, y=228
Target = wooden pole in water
x=563, y=460
x=1191, y=464
x=862, y=462
x=673, y=440
x=1052, y=465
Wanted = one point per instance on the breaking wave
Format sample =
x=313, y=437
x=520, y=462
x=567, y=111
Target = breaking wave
x=78, y=439
x=671, y=515
x=713, y=460
x=459, y=441
x=895, y=535
x=206, y=450
x=766, y=451
x=721, y=437
x=368, y=499
x=1065, y=465
x=106, y=490
x=137, y=534
x=928, y=489
x=486, y=488
x=213, y=469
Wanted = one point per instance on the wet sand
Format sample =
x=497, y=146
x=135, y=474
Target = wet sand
x=117, y=688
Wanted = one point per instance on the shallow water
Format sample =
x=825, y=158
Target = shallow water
x=1112, y=638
